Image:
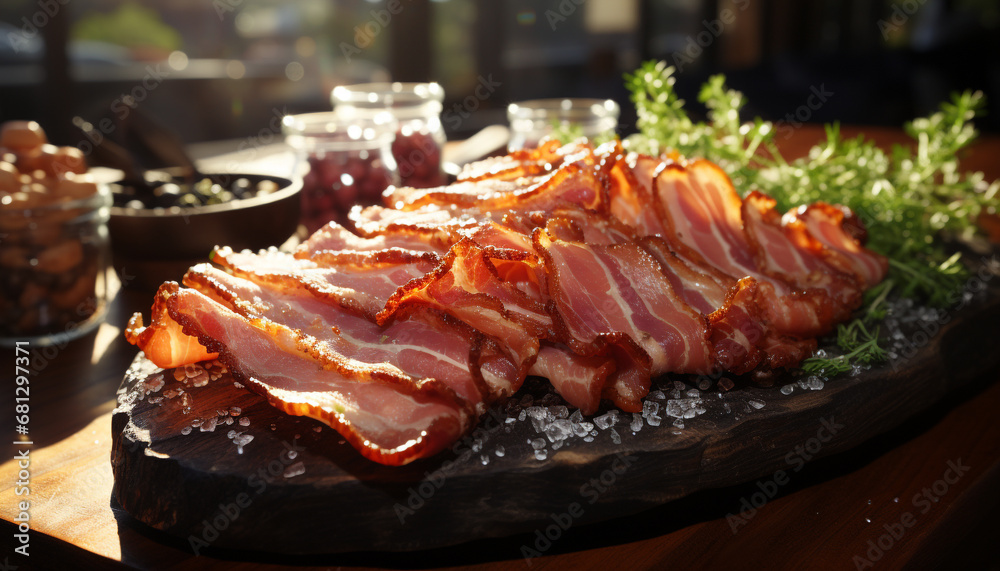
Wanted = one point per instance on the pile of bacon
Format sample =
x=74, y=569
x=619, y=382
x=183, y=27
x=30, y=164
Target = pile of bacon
x=593, y=268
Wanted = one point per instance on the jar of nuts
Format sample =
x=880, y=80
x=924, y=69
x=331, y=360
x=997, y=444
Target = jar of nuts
x=344, y=161
x=54, y=249
x=420, y=136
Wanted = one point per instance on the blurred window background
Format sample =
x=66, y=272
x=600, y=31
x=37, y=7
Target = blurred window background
x=224, y=69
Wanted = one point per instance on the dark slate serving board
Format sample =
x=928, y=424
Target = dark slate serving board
x=327, y=498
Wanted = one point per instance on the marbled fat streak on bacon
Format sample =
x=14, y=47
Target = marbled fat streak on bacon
x=595, y=268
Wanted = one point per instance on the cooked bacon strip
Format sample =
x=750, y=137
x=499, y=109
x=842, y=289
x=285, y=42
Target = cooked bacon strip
x=423, y=350
x=467, y=286
x=362, y=288
x=573, y=183
x=631, y=193
x=620, y=289
x=729, y=306
x=335, y=238
x=703, y=223
x=167, y=346
x=782, y=253
x=435, y=224
x=388, y=423
x=578, y=379
x=830, y=227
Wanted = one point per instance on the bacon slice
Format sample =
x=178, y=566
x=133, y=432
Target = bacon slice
x=787, y=255
x=615, y=290
x=578, y=379
x=335, y=238
x=826, y=229
x=362, y=288
x=388, y=423
x=467, y=286
x=703, y=223
x=422, y=350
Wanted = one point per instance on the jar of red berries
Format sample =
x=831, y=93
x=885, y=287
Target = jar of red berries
x=344, y=161
x=419, y=137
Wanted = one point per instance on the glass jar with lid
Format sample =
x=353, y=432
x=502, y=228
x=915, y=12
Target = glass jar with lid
x=419, y=138
x=343, y=160
x=54, y=260
x=531, y=121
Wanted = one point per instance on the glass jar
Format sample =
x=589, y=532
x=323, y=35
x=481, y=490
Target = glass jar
x=530, y=121
x=54, y=260
x=420, y=136
x=343, y=161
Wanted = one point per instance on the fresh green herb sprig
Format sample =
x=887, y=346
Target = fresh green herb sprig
x=860, y=346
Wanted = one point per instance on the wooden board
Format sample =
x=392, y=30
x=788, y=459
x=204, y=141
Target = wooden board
x=328, y=499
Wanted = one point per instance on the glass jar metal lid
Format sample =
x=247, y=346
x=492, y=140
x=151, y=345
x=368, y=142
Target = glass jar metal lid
x=333, y=131
x=405, y=100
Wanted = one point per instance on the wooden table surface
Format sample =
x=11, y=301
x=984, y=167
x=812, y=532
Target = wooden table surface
x=923, y=495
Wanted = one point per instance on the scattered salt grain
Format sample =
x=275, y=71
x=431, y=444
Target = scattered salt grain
x=576, y=417
x=558, y=411
x=787, y=389
x=499, y=451
x=650, y=408
x=292, y=454
x=588, y=438
x=636, y=422
x=235, y=410
x=522, y=415
x=229, y=421
x=538, y=443
x=484, y=459
x=756, y=404
x=560, y=429
x=693, y=393
x=541, y=454
x=209, y=425
x=186, y=430
x=245, y=421
x=657, y=394
x=231, y=434
x=815, y=384
x=654, y=420
x=605, y=421
x=679, y=424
